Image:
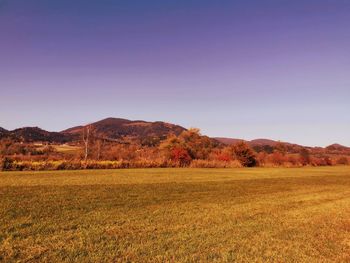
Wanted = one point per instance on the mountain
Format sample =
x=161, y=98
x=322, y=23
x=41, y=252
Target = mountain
x=116, y=128
x=228, y=141
x=267, y=145
x=337, y=147
x=3, y=132
x=35, y=134
x=252, y=143
x=262, y=142
x=110, y=128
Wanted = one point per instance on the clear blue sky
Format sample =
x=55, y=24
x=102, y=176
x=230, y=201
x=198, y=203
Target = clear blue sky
x=245, y=69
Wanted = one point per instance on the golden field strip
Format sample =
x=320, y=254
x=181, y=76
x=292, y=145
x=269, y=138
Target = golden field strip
x=176, y=215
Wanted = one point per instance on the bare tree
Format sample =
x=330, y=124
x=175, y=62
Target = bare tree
x=86, y=140
x=99, y=144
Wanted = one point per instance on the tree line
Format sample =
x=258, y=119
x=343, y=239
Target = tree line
x=188, y=149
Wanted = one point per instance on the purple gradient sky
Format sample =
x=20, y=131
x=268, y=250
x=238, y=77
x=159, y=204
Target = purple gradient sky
x=246, y=69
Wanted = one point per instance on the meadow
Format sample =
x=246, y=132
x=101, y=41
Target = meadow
x=176, y=215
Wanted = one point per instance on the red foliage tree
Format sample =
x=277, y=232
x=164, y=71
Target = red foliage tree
x=244, y=154
x=181, y=156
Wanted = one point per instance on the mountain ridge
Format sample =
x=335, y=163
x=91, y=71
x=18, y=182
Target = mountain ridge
x=272, y=143
x=108, y=128
x=117, y=128
x=254, y=142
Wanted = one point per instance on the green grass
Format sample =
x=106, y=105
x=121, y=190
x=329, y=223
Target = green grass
x=176, y=215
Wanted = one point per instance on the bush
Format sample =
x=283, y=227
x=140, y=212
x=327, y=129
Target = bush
x=181, y=156
x=304, y=157
x=343, y=161
x=6, y=164
x=277, y=159
x=244, y=154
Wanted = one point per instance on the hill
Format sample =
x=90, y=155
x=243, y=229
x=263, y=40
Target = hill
x=116, y=128
x=110, y=128
x=252, y=143
x=337, y=147
x=262, y=142
x=228, y=141
x=3, y=132
x=35, y=134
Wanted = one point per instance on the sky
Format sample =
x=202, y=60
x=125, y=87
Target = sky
x=277, y=69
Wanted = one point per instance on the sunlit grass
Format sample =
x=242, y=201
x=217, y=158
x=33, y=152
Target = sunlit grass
x=176, y=215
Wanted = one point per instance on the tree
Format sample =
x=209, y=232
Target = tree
x=343, y=161
x=99, y=146
x=305, y=158
x=281, y=148
x=181, y=156
x=244, y=154
x=86, y=140
x=170, y=143
x=224, y=155
x=191, y=141
x=277, y=158
x=197, y=145
x=261, y=158
x=5, y=146
x=6, y=164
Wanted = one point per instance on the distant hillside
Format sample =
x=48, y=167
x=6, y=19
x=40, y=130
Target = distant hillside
x=228, y=141
x=266, y=145
x=337, y=147
x=35, y=134
x=110, y=128
x=252, y=143
x=3, y=132
x=116, y=128
x=261, y=142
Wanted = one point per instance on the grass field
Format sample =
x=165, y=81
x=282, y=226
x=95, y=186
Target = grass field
x=176, y=215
